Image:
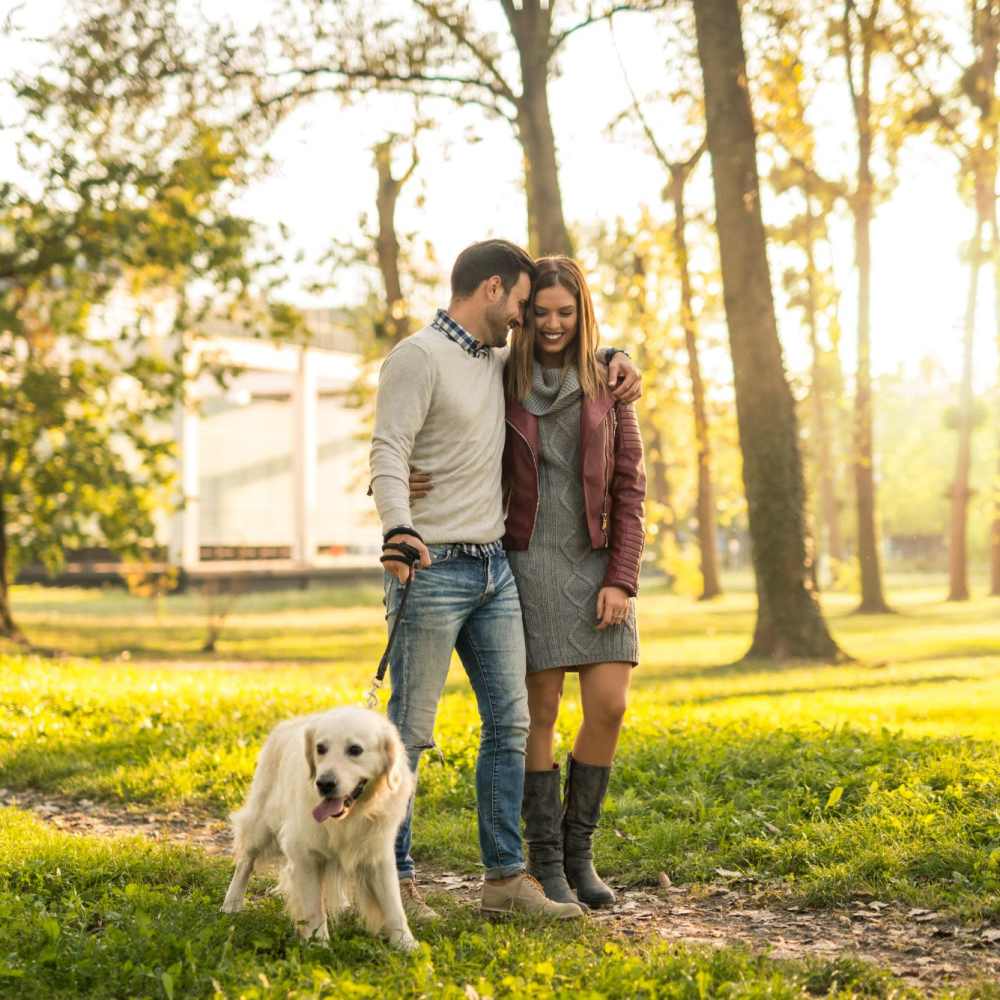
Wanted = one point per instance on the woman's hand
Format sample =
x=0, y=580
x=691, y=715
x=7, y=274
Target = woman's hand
x=420, y=484
x=612, y=607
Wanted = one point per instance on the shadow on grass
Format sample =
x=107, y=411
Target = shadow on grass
x=777, y=692
x=278, y=645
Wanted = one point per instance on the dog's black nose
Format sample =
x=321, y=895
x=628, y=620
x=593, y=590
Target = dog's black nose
x=327, y=786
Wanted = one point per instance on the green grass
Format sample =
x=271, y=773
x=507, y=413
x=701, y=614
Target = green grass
x=125, y=918
x=816, y=783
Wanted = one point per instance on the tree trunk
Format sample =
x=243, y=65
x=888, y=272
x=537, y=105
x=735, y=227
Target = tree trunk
x=707, y=545
x=872, y=597
x=829, y=508
x=397, y=319
x=958, y=563
x=531, y=26
x=661, y=491
x=990, y=39
x=995, y=527
x=790, y=623
x=8, y=627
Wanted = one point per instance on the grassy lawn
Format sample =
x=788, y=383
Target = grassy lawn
x=125, y=918
x=815, y=783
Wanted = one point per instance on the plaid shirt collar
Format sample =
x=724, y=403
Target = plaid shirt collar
x=458, y=333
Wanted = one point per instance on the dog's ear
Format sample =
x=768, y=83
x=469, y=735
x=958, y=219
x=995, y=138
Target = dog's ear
x=310, y=749
x=395, y=758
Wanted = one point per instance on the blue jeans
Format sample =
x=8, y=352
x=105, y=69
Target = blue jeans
x=468, y=604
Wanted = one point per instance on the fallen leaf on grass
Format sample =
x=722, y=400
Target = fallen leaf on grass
x=665, y=882
x=991, y=934
x=728, y=873
x=450, y=879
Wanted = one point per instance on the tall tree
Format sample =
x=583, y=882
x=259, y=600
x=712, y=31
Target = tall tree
x=677, y=172
x=979, y=84
x=789, y=620
x=786, y=90
x=861, y=35
x=966, y=120
x=994, y=540
x=396, y=271
x=707, y=516
x=397, y=313
x=980, y=88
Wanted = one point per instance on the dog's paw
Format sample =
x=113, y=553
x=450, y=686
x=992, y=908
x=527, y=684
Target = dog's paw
x=311, y=931
x=404, y=942
x=232, y=906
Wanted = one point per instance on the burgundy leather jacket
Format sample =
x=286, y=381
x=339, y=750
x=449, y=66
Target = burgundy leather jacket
x=614, y=483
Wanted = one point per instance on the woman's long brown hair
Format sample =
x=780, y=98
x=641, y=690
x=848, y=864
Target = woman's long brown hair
x=566, y=273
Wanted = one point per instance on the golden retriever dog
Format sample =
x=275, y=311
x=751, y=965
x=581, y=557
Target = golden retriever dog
x=328, y=796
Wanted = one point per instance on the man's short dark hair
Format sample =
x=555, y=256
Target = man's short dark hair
x=481, y=261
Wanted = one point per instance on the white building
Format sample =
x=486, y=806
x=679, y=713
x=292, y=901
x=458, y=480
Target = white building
x=273, y=470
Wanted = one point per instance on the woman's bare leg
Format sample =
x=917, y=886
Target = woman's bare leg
x=604, y=694
x=544, y=694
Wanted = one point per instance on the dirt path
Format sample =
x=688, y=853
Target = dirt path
x=923, y=948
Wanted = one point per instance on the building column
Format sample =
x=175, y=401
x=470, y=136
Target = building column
x=304, y=460
x=184, y=550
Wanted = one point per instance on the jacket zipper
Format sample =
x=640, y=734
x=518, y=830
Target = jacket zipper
x=538, y=485
x=609, y=451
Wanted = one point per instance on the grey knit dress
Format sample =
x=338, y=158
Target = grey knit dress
x=559, y=575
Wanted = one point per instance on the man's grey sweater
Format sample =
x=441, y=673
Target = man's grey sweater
x=440, y=410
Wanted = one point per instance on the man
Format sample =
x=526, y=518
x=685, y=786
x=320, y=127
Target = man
x=440, y=408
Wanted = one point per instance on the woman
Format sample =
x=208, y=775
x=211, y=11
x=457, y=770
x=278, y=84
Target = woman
x=574, y=490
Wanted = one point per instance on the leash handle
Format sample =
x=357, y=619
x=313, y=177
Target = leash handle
x=410, y=556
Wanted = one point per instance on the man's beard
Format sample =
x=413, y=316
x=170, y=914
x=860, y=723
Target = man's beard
x=498, y=326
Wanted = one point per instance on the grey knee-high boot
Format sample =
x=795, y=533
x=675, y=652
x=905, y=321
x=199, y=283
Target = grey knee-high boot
x=586, y=786
x=542, y=812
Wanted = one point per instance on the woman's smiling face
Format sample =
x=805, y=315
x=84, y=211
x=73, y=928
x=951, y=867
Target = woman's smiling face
x=554, y=320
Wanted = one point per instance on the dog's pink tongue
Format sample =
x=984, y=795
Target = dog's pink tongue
x=328, y=808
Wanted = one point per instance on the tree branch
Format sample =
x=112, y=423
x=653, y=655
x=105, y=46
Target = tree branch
x=378, y=76
x=390, y=83
x=501, y=88
x=665, y=161
x=607, y=15
x=849, y=56
x=414, y=161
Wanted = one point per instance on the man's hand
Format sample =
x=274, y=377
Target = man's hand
x=399, y=569
x=420, y=484
x=612, y=607
x=624, y=379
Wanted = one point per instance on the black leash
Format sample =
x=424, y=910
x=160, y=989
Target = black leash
x=409, y=556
